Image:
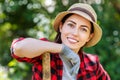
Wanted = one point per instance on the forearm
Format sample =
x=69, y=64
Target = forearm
x=30, y=47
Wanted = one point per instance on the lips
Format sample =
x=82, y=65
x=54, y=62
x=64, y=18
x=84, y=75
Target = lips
x=72, y=40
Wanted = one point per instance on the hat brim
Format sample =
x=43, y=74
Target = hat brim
x=97, y=30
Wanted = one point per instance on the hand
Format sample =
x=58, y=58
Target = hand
x=69, y=54
x=70, y=58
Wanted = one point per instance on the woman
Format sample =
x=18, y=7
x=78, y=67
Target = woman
x=76, y=28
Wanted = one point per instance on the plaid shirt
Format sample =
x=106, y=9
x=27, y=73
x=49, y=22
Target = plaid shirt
x=90, y=68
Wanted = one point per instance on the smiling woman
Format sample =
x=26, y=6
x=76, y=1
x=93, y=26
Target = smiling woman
x=76, y=28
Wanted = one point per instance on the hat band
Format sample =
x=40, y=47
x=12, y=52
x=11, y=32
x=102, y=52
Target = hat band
x=83, y=10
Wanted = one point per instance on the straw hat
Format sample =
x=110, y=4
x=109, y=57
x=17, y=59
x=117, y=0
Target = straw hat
x=86, y=11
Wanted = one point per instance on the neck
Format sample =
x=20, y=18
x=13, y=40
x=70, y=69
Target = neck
x=76, y=51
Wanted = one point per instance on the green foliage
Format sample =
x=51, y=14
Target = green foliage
x=34, y=18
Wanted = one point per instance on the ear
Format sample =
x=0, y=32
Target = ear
x=90, y=37
x=60, y=26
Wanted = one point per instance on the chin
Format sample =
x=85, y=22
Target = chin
x=73, y=47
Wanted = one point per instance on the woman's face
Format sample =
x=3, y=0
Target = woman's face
x=75, y=32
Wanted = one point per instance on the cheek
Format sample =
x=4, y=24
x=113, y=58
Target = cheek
x=84, y=37
x=64, y=30
x=63, y=38
x=64, y=34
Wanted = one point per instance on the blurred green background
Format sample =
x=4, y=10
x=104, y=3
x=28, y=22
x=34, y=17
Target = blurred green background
x=34, y=18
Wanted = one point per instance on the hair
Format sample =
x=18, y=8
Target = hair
x=58, y=36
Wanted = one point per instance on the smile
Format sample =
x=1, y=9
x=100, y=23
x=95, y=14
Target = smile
x=72, y=40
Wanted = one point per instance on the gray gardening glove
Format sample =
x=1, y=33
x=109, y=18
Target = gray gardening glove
x=71, y=60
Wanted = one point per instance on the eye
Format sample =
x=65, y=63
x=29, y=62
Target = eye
x=70, y=25
x=84, y=29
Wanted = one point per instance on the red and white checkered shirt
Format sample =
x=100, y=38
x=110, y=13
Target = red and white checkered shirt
x=90, y=67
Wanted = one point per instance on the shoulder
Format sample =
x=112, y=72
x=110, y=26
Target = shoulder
x=92, y=57
x=92, y=64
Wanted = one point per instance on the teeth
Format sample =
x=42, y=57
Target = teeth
x=72, y=40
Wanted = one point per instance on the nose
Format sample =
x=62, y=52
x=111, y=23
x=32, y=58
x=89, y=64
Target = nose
x=75, y=32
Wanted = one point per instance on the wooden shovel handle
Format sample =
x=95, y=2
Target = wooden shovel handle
x=46, y=66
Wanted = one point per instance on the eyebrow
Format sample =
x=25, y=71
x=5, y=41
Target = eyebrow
x=71, y=21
